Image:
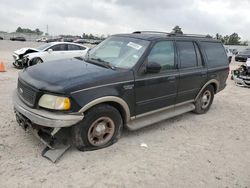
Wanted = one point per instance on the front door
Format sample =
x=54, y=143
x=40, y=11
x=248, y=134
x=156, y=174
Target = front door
x=58, y=52
x=157, y=90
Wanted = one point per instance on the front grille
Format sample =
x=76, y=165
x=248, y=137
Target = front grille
x=27, y=93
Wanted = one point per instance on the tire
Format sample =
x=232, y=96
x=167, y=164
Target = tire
x=35, y=61
x=90, y=133
x=203, y=103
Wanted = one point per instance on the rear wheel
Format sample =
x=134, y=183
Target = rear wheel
x=100, y=127
x=205, y=100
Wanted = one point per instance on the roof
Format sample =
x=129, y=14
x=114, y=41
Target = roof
x=153, y=35
x=54, y=43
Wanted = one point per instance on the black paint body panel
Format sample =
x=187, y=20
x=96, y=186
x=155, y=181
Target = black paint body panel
x=83, y=82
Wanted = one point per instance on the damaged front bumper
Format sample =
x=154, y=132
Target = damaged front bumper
x=243, y=81
x=18, y=63
x=51, y=128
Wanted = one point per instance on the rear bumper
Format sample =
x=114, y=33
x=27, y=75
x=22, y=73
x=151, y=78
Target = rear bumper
x=44, y=118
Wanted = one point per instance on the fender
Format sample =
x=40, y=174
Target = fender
x=212, y=81
x=108, y=99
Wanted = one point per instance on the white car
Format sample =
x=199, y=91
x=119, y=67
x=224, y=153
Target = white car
x=53, y=51
x=229, y=54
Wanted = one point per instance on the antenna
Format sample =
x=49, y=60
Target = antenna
x=47, y=29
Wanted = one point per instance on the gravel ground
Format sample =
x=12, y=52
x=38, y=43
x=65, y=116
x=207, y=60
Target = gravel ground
x=210, y=150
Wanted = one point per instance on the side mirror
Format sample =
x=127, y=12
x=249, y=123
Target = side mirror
x=50, y=50
x=153, y=67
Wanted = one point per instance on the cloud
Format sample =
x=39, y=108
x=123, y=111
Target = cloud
x=120, y=16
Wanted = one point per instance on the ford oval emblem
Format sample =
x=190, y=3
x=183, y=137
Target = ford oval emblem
x=21, y=90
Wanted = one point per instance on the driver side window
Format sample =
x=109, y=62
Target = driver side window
x=163, y=54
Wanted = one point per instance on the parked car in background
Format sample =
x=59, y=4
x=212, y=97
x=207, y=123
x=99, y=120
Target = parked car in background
x=229, y=54
x=54, y=51
x=67, y=40
x=128, y=80
x=234, y=51
x=17, y=39
x=243, y=55
x=43, y=39
x=1, y=38
x=51, y=51
x=80, y=41
x=54, y=40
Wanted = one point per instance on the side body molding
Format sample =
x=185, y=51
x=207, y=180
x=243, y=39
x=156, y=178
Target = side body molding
x=212, y=81
x=108, y=99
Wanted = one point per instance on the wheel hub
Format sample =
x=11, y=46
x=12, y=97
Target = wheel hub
x=206, y=98
x=100, y=128
x=101, y=131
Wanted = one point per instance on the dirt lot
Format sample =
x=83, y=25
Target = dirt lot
x=211, y=150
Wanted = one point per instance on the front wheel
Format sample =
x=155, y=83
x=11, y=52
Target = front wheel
x=205, y=100
x=100, y=127
x=36, y=61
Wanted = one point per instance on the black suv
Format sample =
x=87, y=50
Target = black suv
x=128, y=80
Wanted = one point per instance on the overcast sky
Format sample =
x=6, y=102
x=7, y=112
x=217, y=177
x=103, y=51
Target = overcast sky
x=120, y=16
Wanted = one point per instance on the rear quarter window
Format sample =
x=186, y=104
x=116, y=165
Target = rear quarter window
x=215, y=52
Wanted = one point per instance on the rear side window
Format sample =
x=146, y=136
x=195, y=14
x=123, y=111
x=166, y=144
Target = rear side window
x=73, y=47
x=216, y=54
x=82, y=48
x=187, y=54
x=59, y=47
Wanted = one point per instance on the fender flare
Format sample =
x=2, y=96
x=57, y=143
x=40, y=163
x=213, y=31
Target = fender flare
x=100, y=100
x=30, y=60
x=213, y=81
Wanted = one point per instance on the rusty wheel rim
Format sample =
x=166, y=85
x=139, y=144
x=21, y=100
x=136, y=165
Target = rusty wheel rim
x=205, y=99
x=101, y=131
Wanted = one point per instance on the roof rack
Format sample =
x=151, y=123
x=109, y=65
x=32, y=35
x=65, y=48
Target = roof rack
x=172, y=34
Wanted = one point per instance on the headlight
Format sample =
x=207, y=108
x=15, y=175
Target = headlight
x=54, y=102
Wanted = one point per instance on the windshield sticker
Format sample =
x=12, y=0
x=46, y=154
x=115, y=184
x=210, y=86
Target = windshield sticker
x=134, y=45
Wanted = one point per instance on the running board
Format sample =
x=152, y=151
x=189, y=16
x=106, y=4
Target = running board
x=159, y=116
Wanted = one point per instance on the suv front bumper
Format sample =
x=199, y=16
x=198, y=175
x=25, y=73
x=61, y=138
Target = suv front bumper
x=44, y=118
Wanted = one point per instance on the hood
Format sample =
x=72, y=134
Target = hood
x=25, y=50
x=65, y=76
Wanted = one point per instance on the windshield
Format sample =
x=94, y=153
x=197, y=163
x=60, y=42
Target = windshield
x=43, y=47
x=119, y=52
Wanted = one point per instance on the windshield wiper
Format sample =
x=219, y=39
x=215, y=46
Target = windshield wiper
x=103, y=63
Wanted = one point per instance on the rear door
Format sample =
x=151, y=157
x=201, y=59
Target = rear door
x=157, y=90
x=193, y=73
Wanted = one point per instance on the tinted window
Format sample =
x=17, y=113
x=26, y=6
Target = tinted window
x=73, y=47
x=198, y=55
x=163, y=53
x=187, y=54
x=82, y=48
x=216, y=54
x=58, y=47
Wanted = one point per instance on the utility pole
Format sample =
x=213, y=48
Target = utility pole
x=47, y=29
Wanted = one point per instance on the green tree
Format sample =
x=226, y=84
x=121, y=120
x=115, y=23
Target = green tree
x=27, y=30
x=234, y=39
x=177, y=30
